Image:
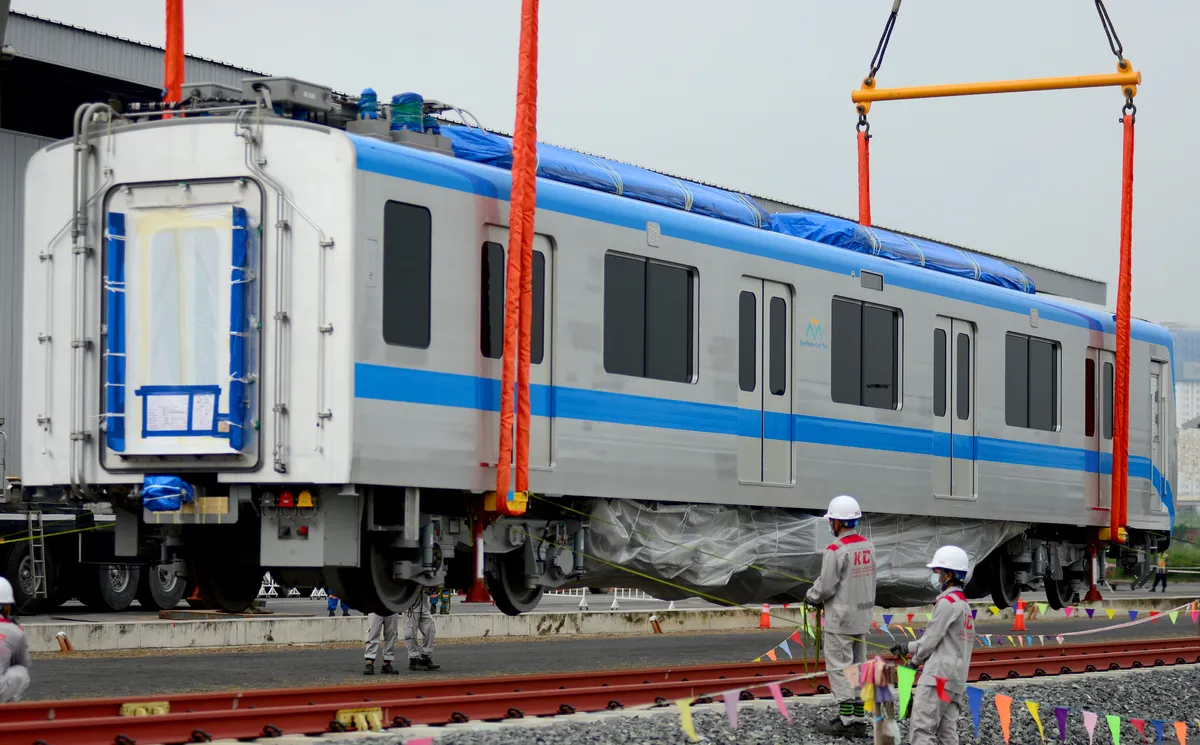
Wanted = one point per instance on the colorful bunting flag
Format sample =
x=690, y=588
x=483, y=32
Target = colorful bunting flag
x=888, y=631
x=975, y=701
x=1195, y=616
x=928, y=617
x=797, y=637
x=887, y=618
x=941, y=689
x=1114, y=726
x=1059, y=639
x=771, y=654
x=1158, y=729
x=1181, y=732
x=1042, y=607
x=995, y=611
x=909, y=629
x=1060, y=713
x=973, y=612
x=1090, y=611
x=786, y=649
x=1004, y=709
x=1029, y=640
x=905, y=676
x=685, y=718
x=1153, y=616
x=1132, y=615
x=731, y=706
x=758, y=659
x=1110, y=613
x=1033, y=711
x=1068, y=610
x=1140, y=726
x=910, y=618
x=778, y=696
x=1089, y=722
x=1010, y=641
x=1173, y=615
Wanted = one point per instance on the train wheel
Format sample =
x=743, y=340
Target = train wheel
x=226, y=586
x=107, y=587
x=373, y=589
x=1058, y=593
x=506, y=584
x=1004, y=582
x=160, y=589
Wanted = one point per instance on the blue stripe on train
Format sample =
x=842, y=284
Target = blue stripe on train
x=406, y=385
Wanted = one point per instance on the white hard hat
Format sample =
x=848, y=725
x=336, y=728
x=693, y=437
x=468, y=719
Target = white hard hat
x=843, y=508
x=6, y=593
x=949, y=557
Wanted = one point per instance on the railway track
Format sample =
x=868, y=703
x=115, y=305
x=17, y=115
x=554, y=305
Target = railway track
x=197, y=717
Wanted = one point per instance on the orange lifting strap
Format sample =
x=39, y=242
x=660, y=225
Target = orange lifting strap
x=1125, y=77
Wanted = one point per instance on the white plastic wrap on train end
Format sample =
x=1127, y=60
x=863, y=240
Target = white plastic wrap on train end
x=713, y=550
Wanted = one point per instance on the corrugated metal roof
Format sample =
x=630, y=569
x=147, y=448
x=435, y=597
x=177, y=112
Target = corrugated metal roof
x=91, y=51
x=15, y=151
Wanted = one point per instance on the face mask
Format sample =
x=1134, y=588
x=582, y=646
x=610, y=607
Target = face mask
x=935, y=580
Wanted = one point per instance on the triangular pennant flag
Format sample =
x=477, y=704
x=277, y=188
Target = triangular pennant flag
x=1089, y=722
x=888, y=631
x=910, y=618
x=999, y=641
x=975, y=701
x=905, y=676
x=1153, y=616
x=941, y=689
x=909, y=629
x=1004, y=709
x=1140, y=726
x=1020, y=641
x=1060, y=713
x=973, y=612
x=771, y=654
x=1029, y=640
x=1110, y=613
x=731, y=706
x=797, y=637
x=928, y=617
x=685, y=718
x=1173, y=615
x=1158, y=729
x=1132, y=615
x=1059, y=639
x=1042, y=607
x=1033, y=711
x=995, y=611
x=1090, y=611
x=1041, y=640
x=1068, y=611
x=887, y=618
x=1010, y=641
x=875, y=625
x=758, y=659
x=1181, y=732
x=778, y=696
x=786, y=649
x=1114, y=726
x=1195, y=616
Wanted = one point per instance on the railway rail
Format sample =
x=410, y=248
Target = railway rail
x=198, y=717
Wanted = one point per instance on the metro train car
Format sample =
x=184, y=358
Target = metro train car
x=272, y=329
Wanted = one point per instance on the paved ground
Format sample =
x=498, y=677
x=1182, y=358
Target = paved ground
x=74, y=611
x=162, y=672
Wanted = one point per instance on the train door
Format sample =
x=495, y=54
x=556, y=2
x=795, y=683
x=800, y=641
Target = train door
x=541, y=369
x=954, y=408
x=1099, y=374
x=1158, y=422
x=765, y=331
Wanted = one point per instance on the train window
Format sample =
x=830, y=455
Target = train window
x=865, y=354
x=1089, y=398
x=491, y=309
x=648, y=318
x=962, y=384
x=779, y=346
x=492, y=288
x=939, y=372
x=747, y=343
x=1108, y=400
x=407, y=249
x=1030, y=382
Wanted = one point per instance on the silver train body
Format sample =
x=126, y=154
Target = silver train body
x=679, y=358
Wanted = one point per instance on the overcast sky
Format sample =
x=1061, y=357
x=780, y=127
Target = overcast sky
x=754, y=95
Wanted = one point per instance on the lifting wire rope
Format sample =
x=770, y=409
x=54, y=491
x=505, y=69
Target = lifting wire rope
x=1128, y=80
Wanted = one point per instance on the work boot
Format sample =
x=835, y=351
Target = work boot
x=370, y=670
x=387, y=669
x=331, y=614
x=427, y=662
x=837, y=728
x=345, y=612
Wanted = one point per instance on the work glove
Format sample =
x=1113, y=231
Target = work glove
x=899, y=650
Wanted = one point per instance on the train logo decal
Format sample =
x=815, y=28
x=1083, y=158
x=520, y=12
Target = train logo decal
x=813, y=335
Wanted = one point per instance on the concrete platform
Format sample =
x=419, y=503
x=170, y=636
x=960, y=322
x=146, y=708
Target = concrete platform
x=292, y=629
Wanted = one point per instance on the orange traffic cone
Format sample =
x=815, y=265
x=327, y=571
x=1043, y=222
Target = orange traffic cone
x=1019, y=618
x=764, y=620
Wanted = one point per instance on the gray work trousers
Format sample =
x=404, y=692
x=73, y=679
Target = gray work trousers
x=389, y=626
x=419, y=619
x=934, y=721
x=840, y=653
x=13, y=683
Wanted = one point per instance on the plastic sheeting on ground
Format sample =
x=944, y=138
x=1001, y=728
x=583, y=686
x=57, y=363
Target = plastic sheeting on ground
x=590, y=172
x=836, y=231
x=716, y=550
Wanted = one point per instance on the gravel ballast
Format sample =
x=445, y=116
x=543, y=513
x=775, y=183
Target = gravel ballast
x=1169, y=694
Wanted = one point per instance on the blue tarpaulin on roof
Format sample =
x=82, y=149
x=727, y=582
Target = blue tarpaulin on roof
x=836, y=231
x=590, y=172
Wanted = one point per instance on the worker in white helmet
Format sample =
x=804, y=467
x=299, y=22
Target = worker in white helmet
x=945, y=650
x=846, y=588
x=14, y=650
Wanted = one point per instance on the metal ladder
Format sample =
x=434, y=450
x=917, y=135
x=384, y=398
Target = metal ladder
x=37, y=551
